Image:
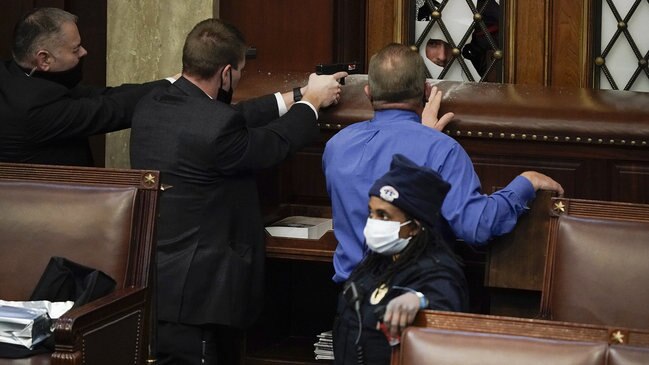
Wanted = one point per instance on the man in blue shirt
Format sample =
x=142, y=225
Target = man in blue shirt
x=357, y=155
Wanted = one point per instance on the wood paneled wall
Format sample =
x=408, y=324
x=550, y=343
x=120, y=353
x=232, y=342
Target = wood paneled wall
x=295, y=35
x=290, y=35
x=570, y=39
x=381, y=25
x=548, y=42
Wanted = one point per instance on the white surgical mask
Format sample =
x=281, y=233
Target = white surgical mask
x=383, y=236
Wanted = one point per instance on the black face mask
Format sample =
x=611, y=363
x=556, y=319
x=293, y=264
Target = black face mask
x=225, y=96
x=69, y=78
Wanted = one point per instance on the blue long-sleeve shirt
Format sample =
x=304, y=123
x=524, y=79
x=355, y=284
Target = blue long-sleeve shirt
x=360, y=153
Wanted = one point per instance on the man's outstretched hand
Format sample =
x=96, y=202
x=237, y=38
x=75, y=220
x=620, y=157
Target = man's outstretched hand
x=429, y=115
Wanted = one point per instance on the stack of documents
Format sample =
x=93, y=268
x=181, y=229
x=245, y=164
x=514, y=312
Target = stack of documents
x=28, y=323
x=324, y=349
x=300, y=227
x=23, y=326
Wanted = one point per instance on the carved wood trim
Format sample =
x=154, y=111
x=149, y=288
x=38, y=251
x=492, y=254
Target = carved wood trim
x=510, y=24
x=402, y=16
x=586, y=46
x=524, y=327
x=143, y=180
x=547, y=35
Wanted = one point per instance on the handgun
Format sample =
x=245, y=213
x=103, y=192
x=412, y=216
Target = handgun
x=332, y=68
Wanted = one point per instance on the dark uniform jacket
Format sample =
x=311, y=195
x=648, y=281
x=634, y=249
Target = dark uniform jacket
x=44, y=122
x=210, y=249
x=436, y=274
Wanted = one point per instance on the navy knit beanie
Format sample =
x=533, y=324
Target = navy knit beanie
x=417, y=190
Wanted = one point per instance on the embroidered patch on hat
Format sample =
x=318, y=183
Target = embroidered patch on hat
x=388, y=193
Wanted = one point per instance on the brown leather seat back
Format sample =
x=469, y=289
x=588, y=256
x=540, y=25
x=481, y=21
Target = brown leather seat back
x=424, y=346
x=90, y=225
x=628, y=355
x=600, y=272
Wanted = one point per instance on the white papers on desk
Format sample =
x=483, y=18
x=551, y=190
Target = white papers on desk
x=28, y=323
x=300, y=227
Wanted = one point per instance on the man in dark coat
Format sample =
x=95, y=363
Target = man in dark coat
x=210, y=251
x=44, y=116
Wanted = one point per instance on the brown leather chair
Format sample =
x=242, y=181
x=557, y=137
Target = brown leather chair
x=427, y=346
x=628, y=355
x=445, y=338
x=597, y=263
x=100, y=218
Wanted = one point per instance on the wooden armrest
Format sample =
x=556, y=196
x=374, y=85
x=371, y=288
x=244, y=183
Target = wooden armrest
x=97, y=316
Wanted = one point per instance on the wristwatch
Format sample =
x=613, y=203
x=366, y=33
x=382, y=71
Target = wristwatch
x=423, y=301
x=297, y=94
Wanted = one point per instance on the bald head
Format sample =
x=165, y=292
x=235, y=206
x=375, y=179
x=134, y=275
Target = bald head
x=397, y=74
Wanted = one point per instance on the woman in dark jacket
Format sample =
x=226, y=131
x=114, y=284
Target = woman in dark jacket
x=409, y=266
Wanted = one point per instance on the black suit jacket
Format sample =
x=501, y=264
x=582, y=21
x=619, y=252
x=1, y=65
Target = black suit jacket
x=210, y=248
x=44, y=122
